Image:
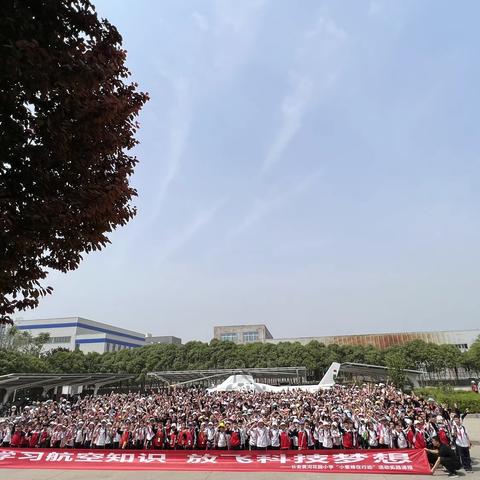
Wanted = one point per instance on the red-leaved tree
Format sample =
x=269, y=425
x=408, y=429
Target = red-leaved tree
x=67, y=121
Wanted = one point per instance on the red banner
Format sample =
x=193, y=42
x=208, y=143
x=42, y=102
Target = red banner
x=318, y=461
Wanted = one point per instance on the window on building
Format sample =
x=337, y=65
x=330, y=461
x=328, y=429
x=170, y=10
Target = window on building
x=228, y=337
x=250, y=336
x=462, y=346
x=59, y=340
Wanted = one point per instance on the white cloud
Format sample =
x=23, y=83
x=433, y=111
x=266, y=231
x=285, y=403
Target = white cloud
x=314, y=71
x=234, y=29
x=181, y=118
x=294, y=106
x=200, y=220
x=263, y=206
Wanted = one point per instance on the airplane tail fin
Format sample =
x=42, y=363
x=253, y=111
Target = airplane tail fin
x=328, y=379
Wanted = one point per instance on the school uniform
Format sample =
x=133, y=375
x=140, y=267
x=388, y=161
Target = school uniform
x=399, y=439
x=462, y=445
x=34, y=438
x=327, y=439
x=159, y=439
x=349, y=439
x=419, y=440
x=221, y=441
x=302, y=437
x=285, y=440
x=79, y=438
x=16, y=438
x=235, y=439
x=202, y=440
x=263, y=439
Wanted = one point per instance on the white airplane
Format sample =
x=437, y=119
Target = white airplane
x=246, y=383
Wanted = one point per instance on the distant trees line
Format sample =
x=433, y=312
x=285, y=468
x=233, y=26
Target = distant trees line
x=19, y=352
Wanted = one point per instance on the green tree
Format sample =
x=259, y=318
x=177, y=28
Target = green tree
x=471, y=359
x=64, y=361
x=396, y=362
x=24, y=342
x=12, y=361
x=67, y=119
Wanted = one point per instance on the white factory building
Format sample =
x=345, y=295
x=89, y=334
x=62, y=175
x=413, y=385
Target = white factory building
x=76, y=333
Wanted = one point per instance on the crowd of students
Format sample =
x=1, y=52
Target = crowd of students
x=364, y=417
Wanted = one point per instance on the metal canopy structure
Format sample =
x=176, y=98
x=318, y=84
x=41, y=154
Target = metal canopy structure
x=185, y=377
x=376, y=372
x=47, y=381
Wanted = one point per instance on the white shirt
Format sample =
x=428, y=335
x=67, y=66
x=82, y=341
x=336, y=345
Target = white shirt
x=79, y=436
x=372, y=438
x=327, y=440
x=253, y=437
x=7, y=437
x=386, y=435
x=101, y=436
x=262, y=437
x=221, y=439
x=210, y=434
x=461, y=436
x=336, y=436
x=275, y=437
x=401, y=439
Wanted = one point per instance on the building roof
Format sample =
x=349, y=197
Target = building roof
x=36, y=323
x=365, y=369
x=16, y=381
x=243, y=325
x=380, y=334
x=182, y=377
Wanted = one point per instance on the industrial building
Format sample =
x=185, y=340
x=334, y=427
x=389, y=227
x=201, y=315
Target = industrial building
x=76, y=333
x=168, y=339
x=241, y=334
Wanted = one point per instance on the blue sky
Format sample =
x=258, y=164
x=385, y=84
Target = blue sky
x=308, y=165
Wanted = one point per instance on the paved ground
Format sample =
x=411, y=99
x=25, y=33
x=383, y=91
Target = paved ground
x=472, y=424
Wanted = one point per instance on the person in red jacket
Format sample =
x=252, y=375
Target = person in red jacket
x=159, y=438
x=172, y=437
x=17, y=437
x=285, y=440
x=349, y=436
x=34, y=439
x=126, y=437
x=409, y=432
x=235, y=437
x=202, y=437
x=302, y=436
x=419, y=441
x=192, y=435
x=44, y=440
x=442, y=434
x=184, y=438
x=25, y=442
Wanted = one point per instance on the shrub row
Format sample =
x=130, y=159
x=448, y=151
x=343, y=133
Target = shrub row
x=463, y=400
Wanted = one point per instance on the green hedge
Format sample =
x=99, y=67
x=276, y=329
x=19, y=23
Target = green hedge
x=462, y=399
